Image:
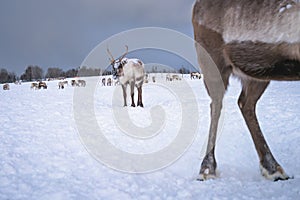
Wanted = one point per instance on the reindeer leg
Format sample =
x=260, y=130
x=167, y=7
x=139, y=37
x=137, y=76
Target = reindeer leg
x=209, y=165
x=140, y=101
x=124, y=87
x=132, y=94
x=216, y=76
x=252, y=91
x=216, y=93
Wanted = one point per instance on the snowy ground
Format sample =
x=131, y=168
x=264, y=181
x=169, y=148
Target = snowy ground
x=42, y=155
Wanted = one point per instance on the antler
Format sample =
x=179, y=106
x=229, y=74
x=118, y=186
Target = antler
x=124, y=53
x=112, y=58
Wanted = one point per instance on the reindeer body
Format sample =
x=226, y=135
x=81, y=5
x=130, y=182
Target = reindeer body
x=61, y=84
x=42, y=85
x=257, y=41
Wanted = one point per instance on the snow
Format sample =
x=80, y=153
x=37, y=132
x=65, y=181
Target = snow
x=43, y=157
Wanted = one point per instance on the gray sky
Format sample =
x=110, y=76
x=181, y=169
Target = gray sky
x=60, y=33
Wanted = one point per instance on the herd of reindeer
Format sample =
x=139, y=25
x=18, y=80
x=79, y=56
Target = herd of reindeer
x=257, y=41
x=108, y=81
x=43, y=85
x=105, y=81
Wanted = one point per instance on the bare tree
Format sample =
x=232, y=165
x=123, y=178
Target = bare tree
x=32, y=73
x=54, y=72
x=3, y=76
x=7, y=77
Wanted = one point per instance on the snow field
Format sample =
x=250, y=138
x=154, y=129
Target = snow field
x=42, y=156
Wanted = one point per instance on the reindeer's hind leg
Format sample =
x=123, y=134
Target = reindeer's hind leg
x=140, y=101
x=132, y=94
x=252, y=91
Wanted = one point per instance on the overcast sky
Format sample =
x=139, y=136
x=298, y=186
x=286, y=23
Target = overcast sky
x=60, y=33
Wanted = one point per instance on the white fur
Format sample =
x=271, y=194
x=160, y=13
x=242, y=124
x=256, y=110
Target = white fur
x=277, y=175
x=206, y=175
x=133, y=70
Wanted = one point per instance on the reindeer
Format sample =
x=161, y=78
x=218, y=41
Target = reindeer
x=176, y=77
x=257, y=41
x=195, y=75
x=168, y=77
x=129, y=71
x=42, y=85
x=103, y=81
x=74, y=83
x=146, y=78
x=34, y=86
x=81, y=83
x=153, y=79
x=6, y=86
x=61, y=84
x=109, y=82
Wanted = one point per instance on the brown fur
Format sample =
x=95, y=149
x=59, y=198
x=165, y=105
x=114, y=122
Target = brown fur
x=6, y=86
x=42, y=85
x=34, y=86
x=258, y=41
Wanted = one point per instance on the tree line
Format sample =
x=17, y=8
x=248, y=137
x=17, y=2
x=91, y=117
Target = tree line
x=34, y=73
x=7, y=77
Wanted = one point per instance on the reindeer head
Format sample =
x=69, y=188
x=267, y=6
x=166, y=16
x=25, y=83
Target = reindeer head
x=117, y=65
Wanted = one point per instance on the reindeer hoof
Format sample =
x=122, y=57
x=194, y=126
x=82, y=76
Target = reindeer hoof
x=206, y=175
x=132, y=105
x=141, y=105
x=278, y=175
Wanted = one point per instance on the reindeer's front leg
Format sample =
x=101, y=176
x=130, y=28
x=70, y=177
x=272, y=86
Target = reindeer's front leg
x=132, y=93
x=124, y=87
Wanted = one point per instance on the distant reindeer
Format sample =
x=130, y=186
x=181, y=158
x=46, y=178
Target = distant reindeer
x=81, y=83
x=42, y=85
x=109, y=82
x=153, y=79
x=129, y=71
x=18, y=82
x=61, y=84
x=195, y=75
x=257, y=41
x=103, y=81
x=78, y=83
x=34, y=86
x=6, y=86
x=146, y=78
x=74, y=83
x=176, y=77
x=168, y=77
